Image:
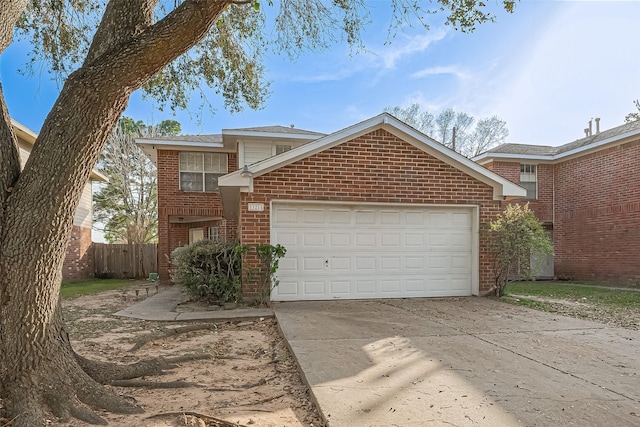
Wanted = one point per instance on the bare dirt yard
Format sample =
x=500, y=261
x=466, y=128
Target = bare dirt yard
x=241, y=372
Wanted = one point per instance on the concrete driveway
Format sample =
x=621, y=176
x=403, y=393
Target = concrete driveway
x=462, y=361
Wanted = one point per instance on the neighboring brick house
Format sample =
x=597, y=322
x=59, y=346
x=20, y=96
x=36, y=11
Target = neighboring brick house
x=376, y=210
x=78, y=262
x=587, y=193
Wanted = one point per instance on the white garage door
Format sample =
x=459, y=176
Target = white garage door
x=372, y=251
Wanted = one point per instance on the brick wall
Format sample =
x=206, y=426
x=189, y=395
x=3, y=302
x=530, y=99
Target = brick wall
x=543, y=205
x=377, y=167
x=597, y=230
x=78, y=262
x=174, y=202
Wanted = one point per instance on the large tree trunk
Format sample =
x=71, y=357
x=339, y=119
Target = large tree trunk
x=38, y=369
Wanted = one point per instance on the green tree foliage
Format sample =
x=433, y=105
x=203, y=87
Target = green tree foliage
x=634, y=116
x=516, y=238
x=126, y=205
x=471, y=137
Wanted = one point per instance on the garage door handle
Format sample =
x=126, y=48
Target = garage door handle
x=326, y=263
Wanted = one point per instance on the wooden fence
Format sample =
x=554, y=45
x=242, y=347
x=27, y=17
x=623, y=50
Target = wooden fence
x=122, y=261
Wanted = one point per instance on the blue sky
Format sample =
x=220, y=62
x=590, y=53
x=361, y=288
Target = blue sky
x=546, y=69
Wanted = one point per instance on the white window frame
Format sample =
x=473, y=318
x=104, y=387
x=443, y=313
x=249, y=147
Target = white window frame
x=192, y=235
x=281, y=148
x=528, y=176
x=208, y=165
x=214, y=234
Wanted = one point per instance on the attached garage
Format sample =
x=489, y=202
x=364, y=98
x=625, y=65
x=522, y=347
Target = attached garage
x=358, y=251
x=376, y=210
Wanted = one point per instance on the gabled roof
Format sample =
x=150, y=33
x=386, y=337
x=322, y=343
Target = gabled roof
x=604, y=139
x=243, y=179
x=29, y=136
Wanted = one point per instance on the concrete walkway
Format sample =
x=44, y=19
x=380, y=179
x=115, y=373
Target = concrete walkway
x=461, y=361
x=163, y=307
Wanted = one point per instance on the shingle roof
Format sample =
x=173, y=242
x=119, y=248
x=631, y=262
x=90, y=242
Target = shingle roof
x=205, y=139
x=277, y=129
x=526, y=149
x=609, y=133
x=545, y=150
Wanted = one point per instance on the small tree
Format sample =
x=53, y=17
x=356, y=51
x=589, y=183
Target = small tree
x=269, y=259
x=516, y=236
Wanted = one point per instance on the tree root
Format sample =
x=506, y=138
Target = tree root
x=219, y=422
x=152, y=384
x=107, y=372
x=171, y=333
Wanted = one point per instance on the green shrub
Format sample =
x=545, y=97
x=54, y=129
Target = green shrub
x=268, y=256
x=209, y=270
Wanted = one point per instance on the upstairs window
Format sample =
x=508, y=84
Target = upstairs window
x=529, y=180
x=200, y=171
x=282, y=149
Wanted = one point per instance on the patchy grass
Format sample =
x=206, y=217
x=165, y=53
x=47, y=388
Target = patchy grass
x=577, y=293
x=610, y=306
x=92, y=286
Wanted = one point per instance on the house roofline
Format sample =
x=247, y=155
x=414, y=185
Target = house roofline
x=503, y=188
x=485, y=158
x=271, y=135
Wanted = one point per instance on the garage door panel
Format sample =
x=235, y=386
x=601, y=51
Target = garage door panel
x=365, y=264
x=390, y=287
x=340, y=239
x=339, y=216
x=287, y=288
x=288, y=264
x=313, y=264
x=390, y=218
x=340, y=287
x=363, y=217
x=313, y=287
x=373, y=252
x=313, y=216
x=365, y=240
x=414, y=240
x=389, y=264
x=390, y=240
x=365, y=287
x=313, y=239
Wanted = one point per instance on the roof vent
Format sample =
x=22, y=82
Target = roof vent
x=597, y=119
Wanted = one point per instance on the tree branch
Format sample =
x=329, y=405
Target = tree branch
x=9, y=14
x=122, y=20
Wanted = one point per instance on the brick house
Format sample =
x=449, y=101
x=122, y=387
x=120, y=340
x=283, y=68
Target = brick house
x=587, y=193
x=376, y=210
x=78, y=262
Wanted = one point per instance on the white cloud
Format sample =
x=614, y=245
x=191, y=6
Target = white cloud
x=434, y=71
x=399, y=49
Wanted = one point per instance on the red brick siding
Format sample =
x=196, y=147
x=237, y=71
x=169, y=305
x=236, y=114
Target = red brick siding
x=174, y=202
x=377, y=167
x=543, y=205
x=78, y=262
x=597, y=228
